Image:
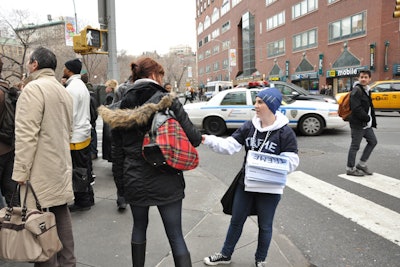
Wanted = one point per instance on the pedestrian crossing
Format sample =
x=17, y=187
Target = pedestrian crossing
x=385, y=184
x=374, y=217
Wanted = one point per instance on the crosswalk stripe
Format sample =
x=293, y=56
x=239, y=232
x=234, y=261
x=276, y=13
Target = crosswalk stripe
x=386, y=184
x=368, y=214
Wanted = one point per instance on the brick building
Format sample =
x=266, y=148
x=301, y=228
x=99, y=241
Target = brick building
x=311, y=43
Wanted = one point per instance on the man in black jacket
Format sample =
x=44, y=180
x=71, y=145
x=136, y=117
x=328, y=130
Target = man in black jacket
x=362, y=120
x=7, y=142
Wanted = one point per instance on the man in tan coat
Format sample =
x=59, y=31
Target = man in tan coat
x=43, y=129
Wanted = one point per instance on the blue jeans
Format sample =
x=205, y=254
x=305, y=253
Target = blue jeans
x=265, y=205
x=171, y=215
x=356, y=137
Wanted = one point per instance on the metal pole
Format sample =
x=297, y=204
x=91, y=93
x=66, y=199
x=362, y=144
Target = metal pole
x=76, y=17
x=113, y=70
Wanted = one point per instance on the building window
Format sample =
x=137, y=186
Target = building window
x=276, y=20
x=215, y=15
x=216, y=49
x=208, y=53
x=225, y=7
x=200, y=43
x=215, y=33
x=268, y=2
x=305, y=40
x=332, y=1
x=248, y=44
x=208, y=69
x=347, y=28
x=226, y=26
x=207, y=22
x=235, y=2
x=225, y=64
x=206, y=39
x=226, y=45
x=201, y=71
x=201, y=57
x=304, y=7
x=216, y=66
x=200, y=28
x=276, y=48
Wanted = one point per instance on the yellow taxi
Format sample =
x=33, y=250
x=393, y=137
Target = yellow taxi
x=385, y=95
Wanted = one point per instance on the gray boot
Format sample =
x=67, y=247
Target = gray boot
x=138, y=254
x=183, y=260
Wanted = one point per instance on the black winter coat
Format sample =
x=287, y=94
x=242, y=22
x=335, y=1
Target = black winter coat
x=145, y=185
x=360, y=102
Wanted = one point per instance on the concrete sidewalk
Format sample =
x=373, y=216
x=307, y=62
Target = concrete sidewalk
x=102, y=234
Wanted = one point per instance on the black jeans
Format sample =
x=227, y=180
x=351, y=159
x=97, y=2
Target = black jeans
x=171, y=215
x=93, y=141
x=82, y=159
x=7, y=185
x=356, y=137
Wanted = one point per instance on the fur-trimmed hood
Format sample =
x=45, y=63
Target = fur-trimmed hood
x=140, y=116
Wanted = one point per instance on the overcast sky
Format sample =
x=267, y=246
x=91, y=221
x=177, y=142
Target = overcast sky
x=141, y=25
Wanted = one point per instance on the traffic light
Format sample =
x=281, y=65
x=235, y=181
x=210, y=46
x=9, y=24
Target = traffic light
x=79, y=46
x=396, y=13
x=89, y=41
x=92, y=37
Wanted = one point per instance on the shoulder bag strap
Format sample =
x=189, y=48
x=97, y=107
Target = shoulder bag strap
x=29, y=186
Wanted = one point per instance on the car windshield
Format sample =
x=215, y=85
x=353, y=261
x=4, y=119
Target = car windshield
x=299, y=89
x=285, y=99
x=210, y=88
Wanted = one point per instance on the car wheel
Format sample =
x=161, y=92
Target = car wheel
x=215, y=126
x=311, y=125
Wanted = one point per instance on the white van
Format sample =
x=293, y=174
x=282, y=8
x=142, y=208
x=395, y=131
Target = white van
x=212, y=88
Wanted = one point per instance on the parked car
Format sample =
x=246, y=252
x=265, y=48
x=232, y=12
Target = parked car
x=385, y=95
x=299, y=93
x=229, y=109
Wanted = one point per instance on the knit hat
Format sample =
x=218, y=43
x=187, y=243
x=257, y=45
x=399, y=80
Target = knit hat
x=74, y=65
x=272, y=97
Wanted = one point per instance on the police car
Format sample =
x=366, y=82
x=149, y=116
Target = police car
x=229, y=109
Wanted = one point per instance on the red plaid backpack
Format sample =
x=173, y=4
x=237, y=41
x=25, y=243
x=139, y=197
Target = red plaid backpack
x=166, y=145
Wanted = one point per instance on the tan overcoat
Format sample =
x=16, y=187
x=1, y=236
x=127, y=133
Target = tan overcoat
x=43, y=129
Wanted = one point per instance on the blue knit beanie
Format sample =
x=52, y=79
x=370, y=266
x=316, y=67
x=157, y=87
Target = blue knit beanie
x=272, y=97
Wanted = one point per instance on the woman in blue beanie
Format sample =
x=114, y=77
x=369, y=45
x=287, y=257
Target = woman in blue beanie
x=267, y=132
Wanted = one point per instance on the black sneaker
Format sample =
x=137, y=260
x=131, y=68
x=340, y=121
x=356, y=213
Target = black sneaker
x=261, y=264
x=73, y=208
x=121, y=204
x=216, y=259
x=355, y=172
x=363, y=169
